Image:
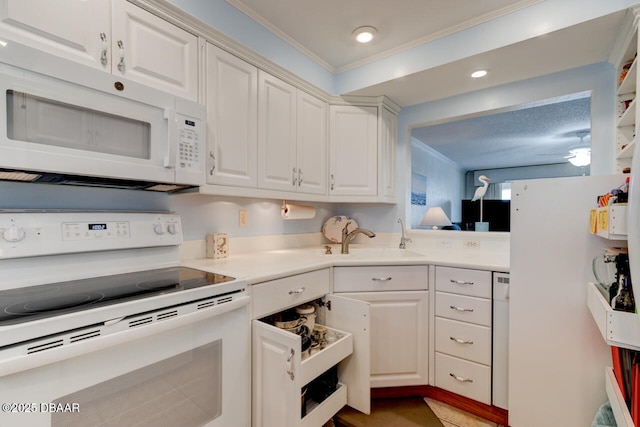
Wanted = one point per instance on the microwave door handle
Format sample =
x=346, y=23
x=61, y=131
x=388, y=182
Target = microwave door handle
x=170, y=155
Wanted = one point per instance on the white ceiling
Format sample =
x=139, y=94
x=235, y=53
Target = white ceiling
x=323, y=30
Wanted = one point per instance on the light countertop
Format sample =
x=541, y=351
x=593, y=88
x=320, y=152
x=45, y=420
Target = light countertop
x=256, y=267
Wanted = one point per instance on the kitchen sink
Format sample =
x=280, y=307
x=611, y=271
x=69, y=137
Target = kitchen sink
x=371, y=252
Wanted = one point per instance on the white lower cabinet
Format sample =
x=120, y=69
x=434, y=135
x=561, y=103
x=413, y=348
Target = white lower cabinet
x=399, y=319
x=463, y=352
x=280, y=375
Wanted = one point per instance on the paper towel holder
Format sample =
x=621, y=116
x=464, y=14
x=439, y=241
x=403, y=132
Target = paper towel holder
x=297, y=211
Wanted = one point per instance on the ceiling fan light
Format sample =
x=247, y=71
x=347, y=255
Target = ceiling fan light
x=364, y=34
x=580, y=157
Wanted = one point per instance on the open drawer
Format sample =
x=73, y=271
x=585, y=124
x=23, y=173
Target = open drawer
x=279, y=373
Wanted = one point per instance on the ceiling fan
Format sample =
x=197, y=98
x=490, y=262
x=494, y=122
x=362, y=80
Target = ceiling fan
x=579, y=154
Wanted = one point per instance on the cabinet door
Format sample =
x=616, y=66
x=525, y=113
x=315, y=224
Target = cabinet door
x=312, y=144
x=70, y=29
x=353, y=316
x=152, y=51
x=276, y=393
x=399, y=337
x=353, y=150
x=232, y=121
x=276, y=134
x=387, y=157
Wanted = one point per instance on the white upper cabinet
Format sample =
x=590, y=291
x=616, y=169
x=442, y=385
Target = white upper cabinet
x=115, y=36
x=152, y=51
x=353, y=148
x=292, y=144
x=232, y=119
x=77, y=30
x=388, y=123
x=276, y=134
x=312, y=144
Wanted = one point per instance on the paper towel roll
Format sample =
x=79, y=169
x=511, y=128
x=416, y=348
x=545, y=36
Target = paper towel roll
x=290, y=211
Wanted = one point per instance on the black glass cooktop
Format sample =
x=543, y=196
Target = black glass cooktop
x=36, y=302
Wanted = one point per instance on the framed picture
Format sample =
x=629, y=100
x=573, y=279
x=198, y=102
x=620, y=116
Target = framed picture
x=418, y=189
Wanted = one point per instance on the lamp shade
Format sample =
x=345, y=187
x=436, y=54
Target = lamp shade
x=435, y=217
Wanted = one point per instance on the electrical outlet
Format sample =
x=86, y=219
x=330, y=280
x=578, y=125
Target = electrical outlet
x=444, y=244
x=244, y=218
x=471, y=244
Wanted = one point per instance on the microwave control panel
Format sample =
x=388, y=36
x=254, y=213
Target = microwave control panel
x=189, y=143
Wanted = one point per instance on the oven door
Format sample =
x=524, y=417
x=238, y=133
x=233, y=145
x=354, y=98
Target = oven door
x=191, y=370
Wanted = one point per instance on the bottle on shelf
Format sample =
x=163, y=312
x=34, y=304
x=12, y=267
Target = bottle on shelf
x=623, y=299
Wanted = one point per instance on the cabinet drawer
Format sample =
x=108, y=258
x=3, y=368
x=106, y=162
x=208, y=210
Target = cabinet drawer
x=475, y=283
x=380, y=278
x=469, y=379
x=277, y=295
x=464, y=308
x=470, y=342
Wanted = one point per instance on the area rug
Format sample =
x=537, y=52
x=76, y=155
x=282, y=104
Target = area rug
x=401, y=412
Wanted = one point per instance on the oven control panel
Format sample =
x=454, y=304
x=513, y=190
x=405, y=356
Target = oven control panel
x=26, y=234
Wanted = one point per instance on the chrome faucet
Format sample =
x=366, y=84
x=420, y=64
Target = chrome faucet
x=403, y=240
x=349, y=236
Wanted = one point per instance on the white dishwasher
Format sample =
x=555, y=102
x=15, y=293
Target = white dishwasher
x=500, y=340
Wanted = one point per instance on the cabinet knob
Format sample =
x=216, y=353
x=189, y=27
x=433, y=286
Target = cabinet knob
x=381, y=279
x=457, y=308
x=105, y=48
x=461, y=282
x=461, y=379
x=297, y=291
x=460, y=340
x=290, y=362
x=121, y=52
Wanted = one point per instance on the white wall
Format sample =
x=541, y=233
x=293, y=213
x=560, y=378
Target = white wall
x=445, y=183
x=598, y=78
x=212, y=214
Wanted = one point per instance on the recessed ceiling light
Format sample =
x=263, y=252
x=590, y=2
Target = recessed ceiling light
x=364, y=34
x=479, y=73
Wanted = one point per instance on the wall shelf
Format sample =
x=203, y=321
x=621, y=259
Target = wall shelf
x=609, y=222
x=618, y=406
x=618, y=328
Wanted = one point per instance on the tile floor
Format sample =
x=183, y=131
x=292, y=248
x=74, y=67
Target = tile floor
x=454, y=417
x=450, y=416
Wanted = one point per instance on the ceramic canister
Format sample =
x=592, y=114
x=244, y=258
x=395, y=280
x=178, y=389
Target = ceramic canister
x=307, y=312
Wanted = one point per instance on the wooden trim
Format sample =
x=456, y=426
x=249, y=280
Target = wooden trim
x=488, y=412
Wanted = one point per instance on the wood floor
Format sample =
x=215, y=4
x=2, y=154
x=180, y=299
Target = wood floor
x=410, y=412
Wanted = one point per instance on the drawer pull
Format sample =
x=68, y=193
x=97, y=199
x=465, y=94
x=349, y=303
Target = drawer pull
x=462, y=380
x=456, y=308
x=290, y=362
x=297, y=291
x=381, y=279
x=461, y=282
x=460, y=340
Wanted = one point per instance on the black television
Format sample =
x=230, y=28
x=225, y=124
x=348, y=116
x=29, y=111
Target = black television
x=496, y=212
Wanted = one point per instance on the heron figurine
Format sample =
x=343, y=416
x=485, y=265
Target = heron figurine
x=481, y=191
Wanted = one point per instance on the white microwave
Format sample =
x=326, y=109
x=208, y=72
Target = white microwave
x=109, y=133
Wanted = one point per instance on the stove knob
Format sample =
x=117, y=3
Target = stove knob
x=13, y=234
x=158, y=229
x=172, y=228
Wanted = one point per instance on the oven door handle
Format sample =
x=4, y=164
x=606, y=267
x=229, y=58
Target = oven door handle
x=30, y=361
